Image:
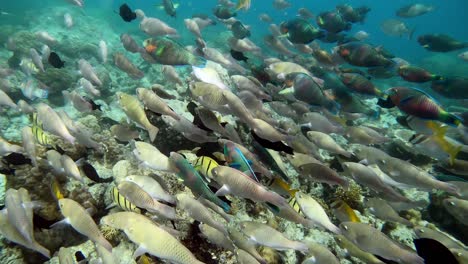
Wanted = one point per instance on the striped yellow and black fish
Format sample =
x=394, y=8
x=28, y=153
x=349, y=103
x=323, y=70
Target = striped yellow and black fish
x=123, y=203
x=39, y=134
x=293, y=203
x=204, y=165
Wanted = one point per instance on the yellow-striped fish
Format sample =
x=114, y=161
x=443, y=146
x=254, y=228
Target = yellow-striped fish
x=122, y=202
x=293, y=203
x=56, y=190
x=344, y=212
x=39, y=134
x=204, y=165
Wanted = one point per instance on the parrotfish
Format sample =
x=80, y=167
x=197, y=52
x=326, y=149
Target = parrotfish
x=417, y=103
x=168, y=52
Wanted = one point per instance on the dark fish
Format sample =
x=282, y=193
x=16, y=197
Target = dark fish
x=55, y=60
x=300, y=31
x=358, y=83
x=94, y=106
x=278, y=146
x=239, y=30
x=196, y=118
x=79, y=257
x=169, y=7
x=351, y=14
x=332, y=22
x=223, y=12
x=417, y=103
x=16, y=159
x=306, y=89
x=237, y=55
x=416, y=74
x=169, y=52
x=451, y=87
x=434, y=252
x=126, y=13
x=91, y=172
x=440, y=43
x=362, y=54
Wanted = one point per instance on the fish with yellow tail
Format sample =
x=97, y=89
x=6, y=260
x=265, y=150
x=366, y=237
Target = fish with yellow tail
x=344, y=212
x=436, y=145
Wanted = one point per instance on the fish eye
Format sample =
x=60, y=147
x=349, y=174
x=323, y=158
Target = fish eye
x=452, y=203
x=345, y=227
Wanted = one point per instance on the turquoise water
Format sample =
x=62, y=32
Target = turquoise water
x=233, y=153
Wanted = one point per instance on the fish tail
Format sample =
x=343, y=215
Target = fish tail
x=450, y=119
x=436, y=77
x=153, y=132
x=103, y=242
x=41, y=249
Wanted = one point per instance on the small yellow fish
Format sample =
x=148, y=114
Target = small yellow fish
x=41, y=137
x=344, y=212
x=204, y=165
x=144, y=259
x=56, y=190
x=243, y=4
x=122, y=202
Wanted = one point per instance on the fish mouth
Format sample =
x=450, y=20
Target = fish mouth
x=150, y=48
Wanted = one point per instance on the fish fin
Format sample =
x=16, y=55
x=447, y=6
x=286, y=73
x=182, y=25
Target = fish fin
x=223, y=191
x=60, y=223
x=432, y=251
x=235, y=165
x=275, y=209
x=139, y=251
x=112, y=205
x=364, y=162
x=289, y=90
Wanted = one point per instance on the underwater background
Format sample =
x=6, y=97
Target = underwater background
x=169, y=139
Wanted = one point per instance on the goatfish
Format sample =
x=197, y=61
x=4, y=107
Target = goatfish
x=122, y=202
x=436, y=145
x=204, y=165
